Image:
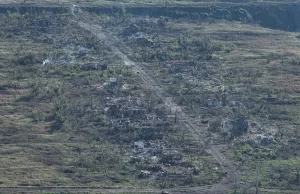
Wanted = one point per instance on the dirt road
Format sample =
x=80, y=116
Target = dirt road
x=199, y=133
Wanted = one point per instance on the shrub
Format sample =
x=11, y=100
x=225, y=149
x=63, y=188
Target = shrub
x=28, y=59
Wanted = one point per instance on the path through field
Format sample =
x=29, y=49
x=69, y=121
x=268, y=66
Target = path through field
x=198, y=132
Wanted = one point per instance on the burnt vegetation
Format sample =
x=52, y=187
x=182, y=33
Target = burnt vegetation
x=74, y=109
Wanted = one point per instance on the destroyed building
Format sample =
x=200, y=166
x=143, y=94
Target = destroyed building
x=115, y=83
x=91, y=67
x=169, y=155
x=126, y=107
x=133, y=112
x=125, y=112
x=265, y=140
x=129, y=30
x=138, y=147
x=142, y=39
x=240, y=125
x=121, y=123
x=212, y=102
x=148, y=133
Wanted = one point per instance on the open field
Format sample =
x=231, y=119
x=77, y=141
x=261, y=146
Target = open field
x=121, y=103
x=250, y=65
x=54, y=128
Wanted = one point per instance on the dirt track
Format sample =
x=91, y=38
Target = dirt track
x=199, y=133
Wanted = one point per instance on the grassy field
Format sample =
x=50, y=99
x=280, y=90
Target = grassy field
x=54, y=131
x=259, y=68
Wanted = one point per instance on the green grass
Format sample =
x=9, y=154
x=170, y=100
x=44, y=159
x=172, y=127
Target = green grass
x=53, y=129
x=255, y=64
x=54, y=132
